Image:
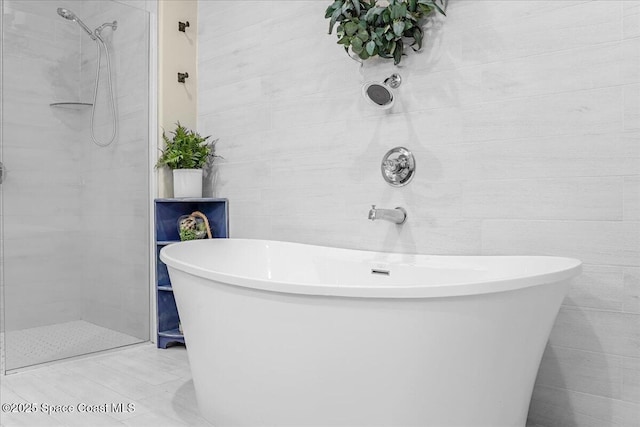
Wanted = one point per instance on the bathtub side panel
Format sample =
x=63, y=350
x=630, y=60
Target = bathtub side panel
x=264, y=358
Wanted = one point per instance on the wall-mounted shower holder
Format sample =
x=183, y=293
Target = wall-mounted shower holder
x=398, y=166
x=182, y=26
x=182, y=77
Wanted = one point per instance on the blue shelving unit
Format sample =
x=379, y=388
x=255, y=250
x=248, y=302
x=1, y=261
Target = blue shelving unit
x=167, y=212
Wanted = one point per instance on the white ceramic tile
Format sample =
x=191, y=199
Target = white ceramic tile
x=629, y=65
x=575, y=199
x=632, y=290
x=539, y=33
x=593, y=242
x=91, y=380
x=602, y=332
x=631, y=380
x=632, y=198
x=555, y=406
x=238, y=121
x=632, y=107
x=582, y=371
x=593, y=111
x=232, y=96
x=599, y=287
x=631, y=19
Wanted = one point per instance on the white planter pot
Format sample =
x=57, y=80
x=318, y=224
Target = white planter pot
x=187, y=183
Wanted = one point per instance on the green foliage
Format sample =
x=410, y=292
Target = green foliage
x=186, y=150
x=372, y=30
x=187, y=235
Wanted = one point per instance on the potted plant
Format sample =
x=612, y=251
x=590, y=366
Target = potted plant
x=380, y=28
x=186, y=154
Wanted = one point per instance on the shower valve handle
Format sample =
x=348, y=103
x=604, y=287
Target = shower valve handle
x=396, y=165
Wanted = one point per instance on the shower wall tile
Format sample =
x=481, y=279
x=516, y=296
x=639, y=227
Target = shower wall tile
x=593, y=111
x=593, y=242
x=598, y=287
x=631, y=380
x=632, y=290
x=540, y=32
x=244, y=93
x=522, y=118
x=588, y=369
x=115, y=179
x=632, y=107
x=550, y=405
x=631, y=19
x=598, y=155
x=575, y=198
x=597, y=331
x=632, y=198
x=598, y=66
x=254, y=118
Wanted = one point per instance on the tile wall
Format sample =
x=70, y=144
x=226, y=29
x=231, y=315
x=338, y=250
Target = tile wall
x=115, y=192
x=76, y=217
x=525, y=121
x=41, y=192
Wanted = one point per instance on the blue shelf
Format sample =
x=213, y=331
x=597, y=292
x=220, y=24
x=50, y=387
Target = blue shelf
x=167, y=212
x=173, y=333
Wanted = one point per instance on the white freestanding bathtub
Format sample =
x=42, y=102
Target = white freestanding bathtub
x=286, y=334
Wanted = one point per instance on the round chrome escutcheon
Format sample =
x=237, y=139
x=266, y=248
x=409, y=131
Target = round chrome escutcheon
x=398, y=166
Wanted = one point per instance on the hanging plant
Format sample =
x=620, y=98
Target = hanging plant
x=372, y=28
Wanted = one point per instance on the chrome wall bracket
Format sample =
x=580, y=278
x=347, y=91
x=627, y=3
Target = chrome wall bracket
x=398, y=166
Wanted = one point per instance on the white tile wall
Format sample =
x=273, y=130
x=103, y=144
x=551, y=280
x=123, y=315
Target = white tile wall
x=75, y=216
x=524, y=119
x=40, y=254
x=115, y=179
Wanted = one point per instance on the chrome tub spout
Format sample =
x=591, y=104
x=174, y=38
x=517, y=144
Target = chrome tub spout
x=397, y=215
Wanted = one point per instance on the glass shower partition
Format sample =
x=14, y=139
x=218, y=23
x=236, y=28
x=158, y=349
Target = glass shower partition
x=74, y=210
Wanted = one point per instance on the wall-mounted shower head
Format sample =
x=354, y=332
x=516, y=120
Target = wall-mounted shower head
x=380, y=94
x=67, y=14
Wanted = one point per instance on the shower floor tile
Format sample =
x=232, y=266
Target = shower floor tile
x=33, y=346
x=154, y=383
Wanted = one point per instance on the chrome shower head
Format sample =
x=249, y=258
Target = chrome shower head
x=67, y=14
x=380, y=94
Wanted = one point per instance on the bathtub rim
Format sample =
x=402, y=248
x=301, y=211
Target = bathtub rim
x=573, y=268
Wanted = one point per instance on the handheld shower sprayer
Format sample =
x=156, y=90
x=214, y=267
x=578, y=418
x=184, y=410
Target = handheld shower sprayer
x=67, y=14
x=96, y=36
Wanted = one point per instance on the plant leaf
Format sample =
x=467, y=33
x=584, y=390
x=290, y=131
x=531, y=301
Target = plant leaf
x=356, y=6
x=336, y=5
x=356, y=45
x=346, y=40
x=334, y=18
x=363, y=35
x=350, y=28
x=397, y=53
x=417, y=35
x=398, y=28
x=371, y=47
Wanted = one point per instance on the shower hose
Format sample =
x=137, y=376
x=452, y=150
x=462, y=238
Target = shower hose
x=114, y=125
